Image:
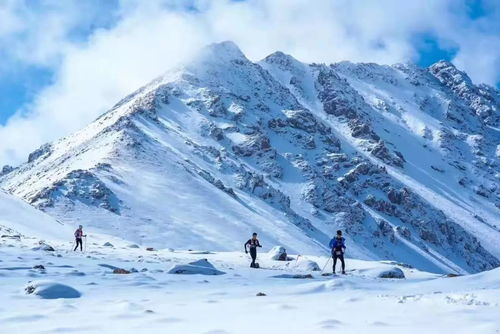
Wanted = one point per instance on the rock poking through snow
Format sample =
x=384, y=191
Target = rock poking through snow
x=51, y=290
x=202, y=267
x=44, y=247
x=296, y=276
x=278, y=253
x=306, y=265
x=120, y=271
x=392, y=273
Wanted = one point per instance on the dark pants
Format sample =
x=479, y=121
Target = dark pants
x=253, y=254
x=341, y=257
x=78, y=242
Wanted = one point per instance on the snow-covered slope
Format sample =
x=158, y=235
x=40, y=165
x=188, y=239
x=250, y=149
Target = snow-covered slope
x=19, y=218
x=403, y=159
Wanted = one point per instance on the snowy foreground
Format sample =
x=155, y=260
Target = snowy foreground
x=156, y=301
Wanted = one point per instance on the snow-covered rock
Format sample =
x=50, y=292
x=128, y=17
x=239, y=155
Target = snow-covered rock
x=278, y=253
x=304, y=264
x=51, y=290
x=392, y=273
x=44, y=247
x=383, y=272
x=201, y=267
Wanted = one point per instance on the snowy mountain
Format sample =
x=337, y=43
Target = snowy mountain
x=404, y=159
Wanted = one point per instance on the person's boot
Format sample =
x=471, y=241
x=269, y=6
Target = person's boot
x=343, y=272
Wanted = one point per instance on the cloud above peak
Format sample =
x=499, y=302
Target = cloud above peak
x=98, y=54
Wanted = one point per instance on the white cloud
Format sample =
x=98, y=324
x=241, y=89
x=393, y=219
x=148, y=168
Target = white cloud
x=150, y=37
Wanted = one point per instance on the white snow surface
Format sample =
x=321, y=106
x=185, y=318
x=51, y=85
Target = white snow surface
x=151, y=300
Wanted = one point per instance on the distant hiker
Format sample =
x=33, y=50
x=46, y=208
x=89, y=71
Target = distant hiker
x=337, y=246
x=78, y=237
x=253, y=244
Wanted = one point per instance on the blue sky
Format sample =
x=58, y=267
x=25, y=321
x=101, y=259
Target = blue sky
x=56, y=54
x=21, y=81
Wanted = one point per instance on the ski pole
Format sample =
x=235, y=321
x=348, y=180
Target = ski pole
x=85, y=246
x=325, y=265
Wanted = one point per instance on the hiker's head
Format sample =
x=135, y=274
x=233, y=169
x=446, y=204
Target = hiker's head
x=254, y=235
x=80, y=227
x=339, y=233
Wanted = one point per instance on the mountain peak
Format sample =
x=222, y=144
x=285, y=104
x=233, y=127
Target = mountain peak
x=447, y=72
x=222, y=50
x=281, y=59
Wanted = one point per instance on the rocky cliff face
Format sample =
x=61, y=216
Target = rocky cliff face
x=403, y=159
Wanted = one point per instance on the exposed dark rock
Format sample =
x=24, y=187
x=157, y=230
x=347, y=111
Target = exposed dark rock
x=6, y=170
x=121, y=271
x=41, y=153
x=79, y=185
x=254, y=144
x=380, y=151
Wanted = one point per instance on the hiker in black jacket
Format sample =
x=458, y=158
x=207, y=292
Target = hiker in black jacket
x=253, y=244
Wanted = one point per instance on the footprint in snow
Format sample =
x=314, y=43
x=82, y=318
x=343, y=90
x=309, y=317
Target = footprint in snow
x=281, y=307
x=218, y=293
x=330, y=324
x=75, y=273
x=69, y=329
x=25, y=318
x=379, y=323
x=169, y=320
x=66, y=308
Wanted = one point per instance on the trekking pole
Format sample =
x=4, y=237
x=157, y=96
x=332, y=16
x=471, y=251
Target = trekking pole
x=325, y=265
x=85, y=245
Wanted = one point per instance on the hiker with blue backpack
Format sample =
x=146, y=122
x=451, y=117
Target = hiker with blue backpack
x=337, y=245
